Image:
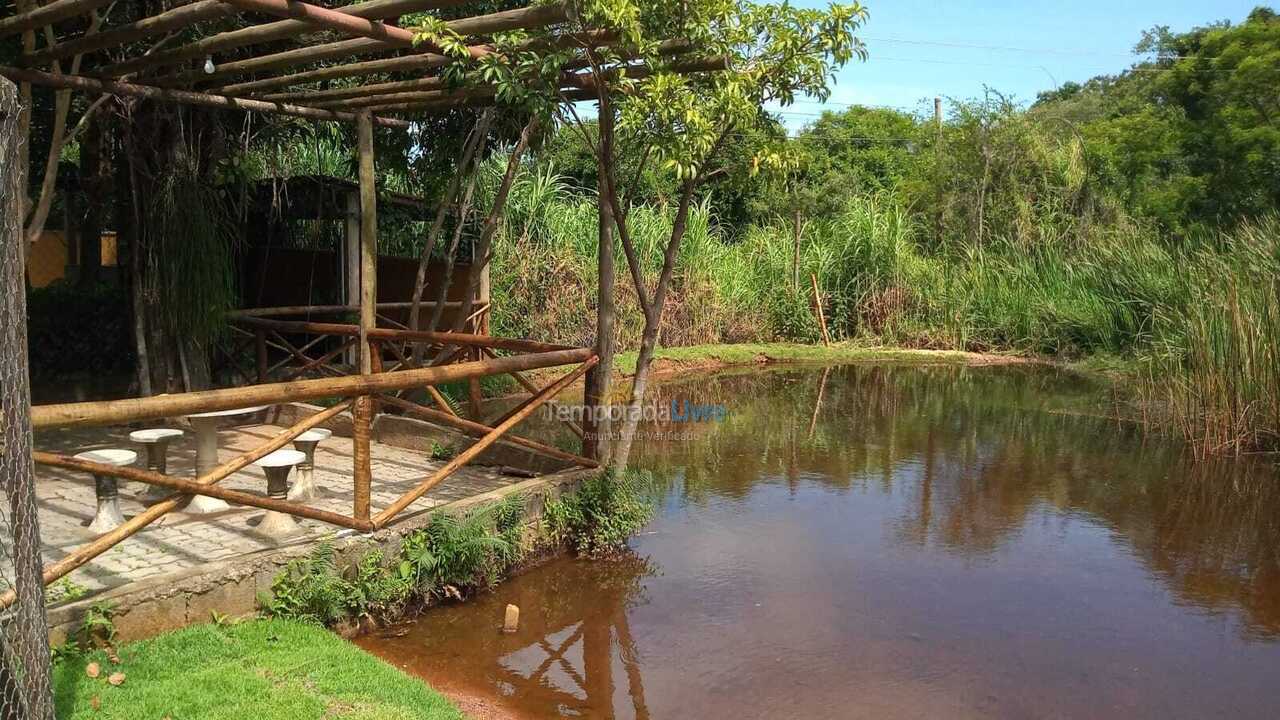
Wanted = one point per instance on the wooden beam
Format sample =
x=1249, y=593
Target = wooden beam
x=479, y=429
x=396, y=64
x=368, y=240
x=322, y=309
x=449, y=95
x=427, y=83
x=442, y=338
x=270, y=32
x=48, y=14
x=327, y=19
x=170, y=20
x=368, y=67
x=480, y=445
x=161, y=406
x=182, y=97
x=522, y=18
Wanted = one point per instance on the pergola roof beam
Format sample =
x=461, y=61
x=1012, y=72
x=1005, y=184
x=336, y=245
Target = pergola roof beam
x=48, y=14
x=175, y=19
x=669, y=47
x=329, y=20
x=367, y=67
x=270, y=32
x=182, y=97
x=370, y=67
x=402, y=97
x=518, y=19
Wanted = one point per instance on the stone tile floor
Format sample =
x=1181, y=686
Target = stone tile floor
x=180, y=540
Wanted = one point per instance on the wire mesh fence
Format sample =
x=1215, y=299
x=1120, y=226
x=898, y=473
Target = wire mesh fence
x=24, y=646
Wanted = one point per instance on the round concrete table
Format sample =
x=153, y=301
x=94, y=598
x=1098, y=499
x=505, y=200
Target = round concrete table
x=275, y=524
x=305, y=486
x=156, y=441
x=206, y=428
x=108, y=517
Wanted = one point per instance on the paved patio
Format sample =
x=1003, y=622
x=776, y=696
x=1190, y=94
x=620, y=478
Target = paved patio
x=180, y=541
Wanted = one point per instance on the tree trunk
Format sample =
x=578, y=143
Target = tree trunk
x=599, y=384
x=652, y=326
x=129, y=245
x=464, y=209
x=493, y=221
x=471, y=149
x=26, y=655
x=92, y=190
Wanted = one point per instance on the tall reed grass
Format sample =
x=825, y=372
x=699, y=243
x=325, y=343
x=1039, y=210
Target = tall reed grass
x=1215, y=375
x=1207, y=321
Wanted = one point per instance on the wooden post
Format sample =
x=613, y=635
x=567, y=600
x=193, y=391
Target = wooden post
x=260, y=341
x=363, y=472
x=937, y=171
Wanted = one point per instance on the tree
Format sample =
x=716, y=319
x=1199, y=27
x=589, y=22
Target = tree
x=676, y=112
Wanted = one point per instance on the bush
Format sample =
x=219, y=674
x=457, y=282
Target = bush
x=606, y=510
x=72, y=329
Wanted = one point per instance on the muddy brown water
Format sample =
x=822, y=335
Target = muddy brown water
x=888, y=542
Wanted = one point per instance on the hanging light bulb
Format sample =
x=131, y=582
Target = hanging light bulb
x=208, y=65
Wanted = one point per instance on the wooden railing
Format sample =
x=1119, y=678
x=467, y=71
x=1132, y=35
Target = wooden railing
x=362, y=394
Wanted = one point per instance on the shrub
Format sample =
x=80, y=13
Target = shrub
x=606, y=510
x=79, y=329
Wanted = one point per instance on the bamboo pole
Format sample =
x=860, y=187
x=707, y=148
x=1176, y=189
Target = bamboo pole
x=534, y=389
x=520, y=18
x=48, y=14
x=371, y=99
x=173, y=19
x=161, y=406
x=323, y=360
x=326, y=309
x=327, y=19
x=362, y=459
x=591, y=38
x=192, y=487
x=181, y=97
x=87, y=552
x=451, y=338
x=466, y=456
x=368, y=239
x=480, y=429
x=268, y=33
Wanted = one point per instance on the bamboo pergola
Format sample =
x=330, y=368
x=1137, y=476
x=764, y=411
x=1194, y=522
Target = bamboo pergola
x=388, y=82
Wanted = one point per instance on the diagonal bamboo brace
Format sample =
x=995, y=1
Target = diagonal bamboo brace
x=466, y=456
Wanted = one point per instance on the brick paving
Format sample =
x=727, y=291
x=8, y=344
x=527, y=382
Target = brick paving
x=180, y=541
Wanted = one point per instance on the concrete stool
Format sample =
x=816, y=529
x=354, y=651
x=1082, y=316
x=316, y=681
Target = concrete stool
x=305, y=487
x=108, y=517
x=276, y=524
x=156, y=440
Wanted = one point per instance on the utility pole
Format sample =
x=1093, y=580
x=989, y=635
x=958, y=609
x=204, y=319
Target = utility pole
x=937, y=170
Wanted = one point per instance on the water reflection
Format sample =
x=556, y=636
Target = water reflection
x=887, y=541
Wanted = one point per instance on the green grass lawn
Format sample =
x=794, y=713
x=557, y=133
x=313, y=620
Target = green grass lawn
x=747, y=353
x=260, y=670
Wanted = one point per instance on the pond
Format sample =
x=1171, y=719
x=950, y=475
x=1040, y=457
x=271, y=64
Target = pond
x=897, y=541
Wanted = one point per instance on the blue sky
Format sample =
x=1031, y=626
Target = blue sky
x=923, y=48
